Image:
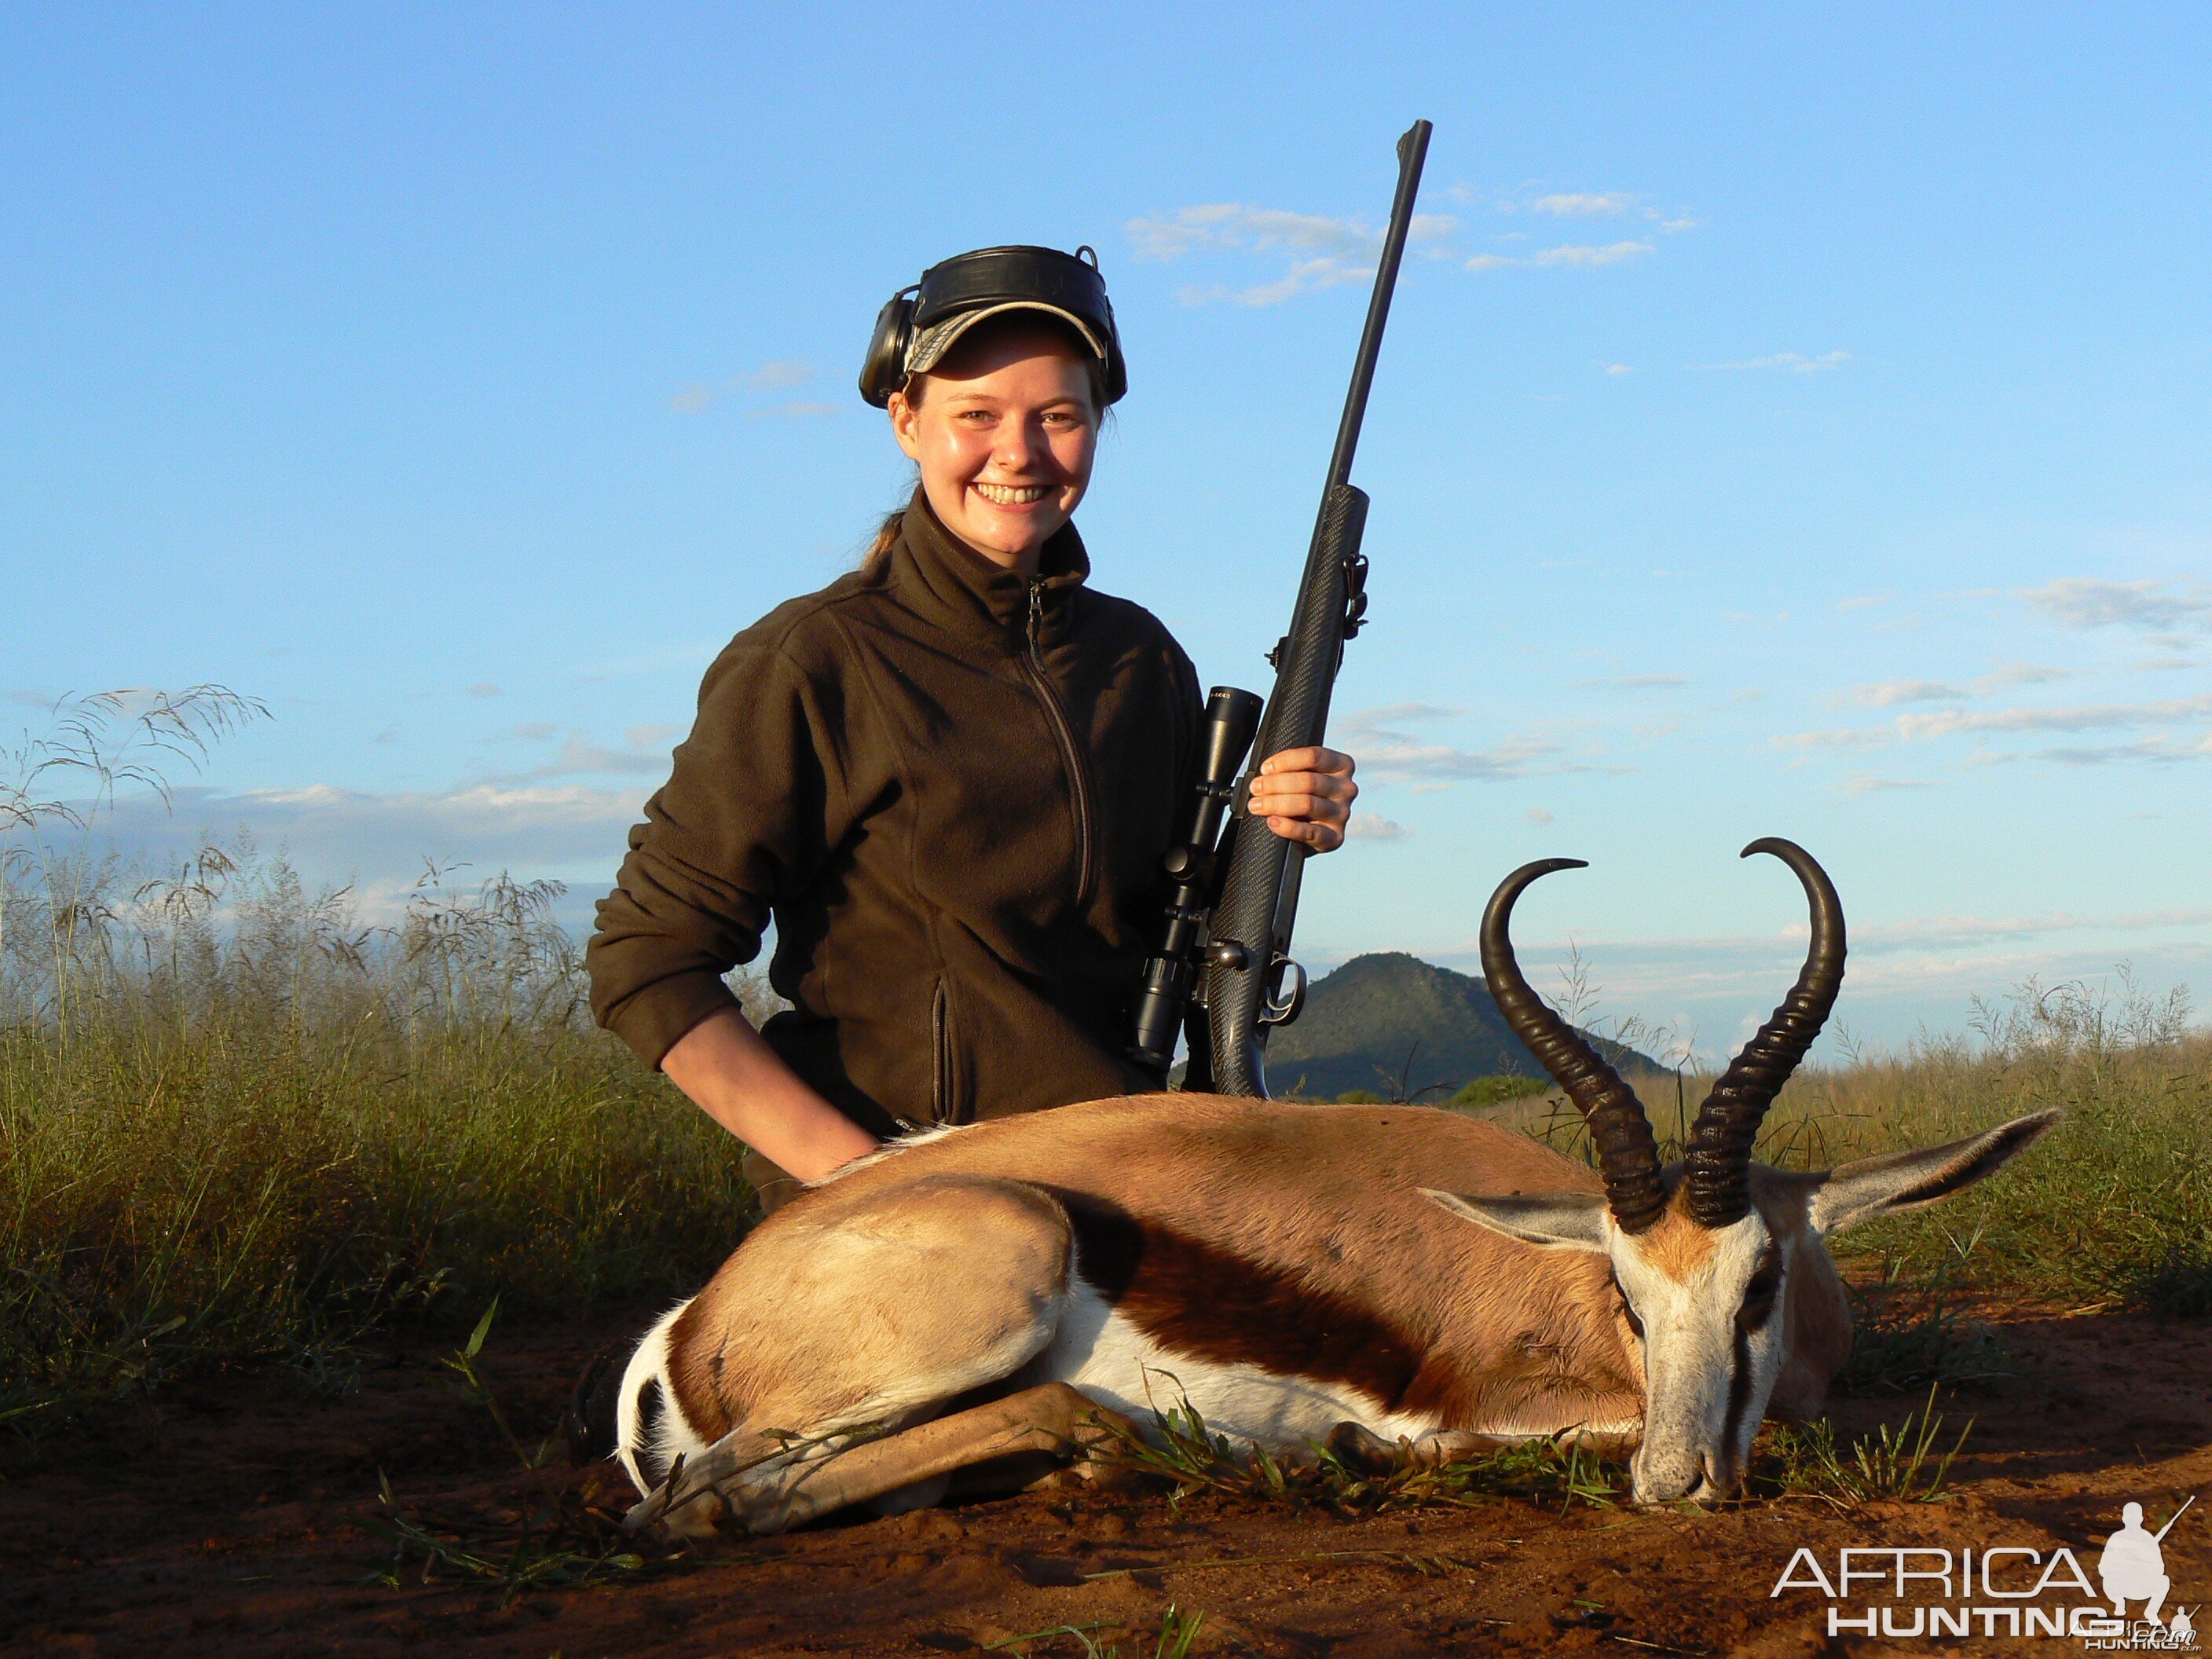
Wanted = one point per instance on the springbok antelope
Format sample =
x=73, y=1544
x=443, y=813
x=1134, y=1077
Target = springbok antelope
x=980, y=1292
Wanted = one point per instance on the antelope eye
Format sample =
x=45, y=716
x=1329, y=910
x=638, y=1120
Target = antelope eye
x=1758, y=1298
x=1628, y=1311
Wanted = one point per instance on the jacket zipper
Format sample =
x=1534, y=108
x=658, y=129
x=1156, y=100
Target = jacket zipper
x=1033, y=665
x=942, y=1107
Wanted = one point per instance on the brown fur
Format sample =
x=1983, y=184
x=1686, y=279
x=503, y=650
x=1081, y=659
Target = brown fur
x=1674, y=1244
x=1287, y=1236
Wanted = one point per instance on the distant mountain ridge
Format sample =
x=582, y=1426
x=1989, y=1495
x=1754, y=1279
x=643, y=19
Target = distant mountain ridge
x=1388, y=1016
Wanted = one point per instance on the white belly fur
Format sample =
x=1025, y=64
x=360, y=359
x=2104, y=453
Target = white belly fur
x=1109, y=1358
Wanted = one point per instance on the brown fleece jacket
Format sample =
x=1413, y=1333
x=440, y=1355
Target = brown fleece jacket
x=952, y=788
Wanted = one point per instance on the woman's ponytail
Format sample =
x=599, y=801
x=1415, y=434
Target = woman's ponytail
x=878, y=558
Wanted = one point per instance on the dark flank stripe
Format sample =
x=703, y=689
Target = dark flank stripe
x=1190, y=1296
x=696, y=1375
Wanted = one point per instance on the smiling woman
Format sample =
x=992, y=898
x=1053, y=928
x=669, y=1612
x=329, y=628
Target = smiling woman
x=950, y=778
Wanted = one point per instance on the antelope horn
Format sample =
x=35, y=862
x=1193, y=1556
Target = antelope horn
x=1719, y=1154
x=1628, y=1158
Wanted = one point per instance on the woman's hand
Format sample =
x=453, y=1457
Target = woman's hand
x=1306, y=795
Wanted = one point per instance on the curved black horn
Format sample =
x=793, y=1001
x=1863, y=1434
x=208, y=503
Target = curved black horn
x=1628, y=1158
x=1719, y=1154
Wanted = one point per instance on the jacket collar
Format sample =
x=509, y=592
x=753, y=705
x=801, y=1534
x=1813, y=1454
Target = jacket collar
x=945, y=581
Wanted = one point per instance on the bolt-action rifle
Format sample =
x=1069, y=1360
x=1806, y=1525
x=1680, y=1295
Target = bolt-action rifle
x=1226, y=968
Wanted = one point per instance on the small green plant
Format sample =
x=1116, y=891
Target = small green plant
x=1189, y=1457
x=1908, y=1335
x=1903, y=1463
x=1177, y=1630
x=562, y=1537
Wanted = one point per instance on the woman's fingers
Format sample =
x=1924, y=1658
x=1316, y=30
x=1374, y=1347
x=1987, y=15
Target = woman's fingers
x=1311, y=798
x=1306, y=795
x=1321, y=837
x=1311, y=759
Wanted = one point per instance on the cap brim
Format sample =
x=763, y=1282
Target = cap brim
x=932, y=343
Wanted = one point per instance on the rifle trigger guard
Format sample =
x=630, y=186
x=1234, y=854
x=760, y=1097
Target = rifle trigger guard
x=1280, y=1007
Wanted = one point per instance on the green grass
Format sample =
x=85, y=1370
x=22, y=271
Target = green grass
x=240, y=1124
x=243, y=1123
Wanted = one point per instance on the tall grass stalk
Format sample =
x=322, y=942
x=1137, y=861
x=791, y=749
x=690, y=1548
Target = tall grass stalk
x=238, y=1123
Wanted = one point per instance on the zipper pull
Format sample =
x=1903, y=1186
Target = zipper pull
x=1037, y=610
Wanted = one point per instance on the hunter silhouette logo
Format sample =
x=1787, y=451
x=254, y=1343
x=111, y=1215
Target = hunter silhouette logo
x=2133, y=1564
x=2002, y=1589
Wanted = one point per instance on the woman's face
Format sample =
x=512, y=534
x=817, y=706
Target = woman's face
x=1004, y=436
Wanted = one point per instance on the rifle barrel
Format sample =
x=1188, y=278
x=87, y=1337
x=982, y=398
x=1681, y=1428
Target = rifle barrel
x=1412, y=154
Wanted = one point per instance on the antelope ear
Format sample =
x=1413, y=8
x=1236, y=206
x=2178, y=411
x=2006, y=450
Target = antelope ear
x=1904, y=1180
x=1572, y=1220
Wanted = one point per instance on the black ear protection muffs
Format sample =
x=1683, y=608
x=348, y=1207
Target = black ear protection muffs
x=919, y=325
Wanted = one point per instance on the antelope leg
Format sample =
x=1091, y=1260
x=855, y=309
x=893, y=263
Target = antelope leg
x=1050, y=1417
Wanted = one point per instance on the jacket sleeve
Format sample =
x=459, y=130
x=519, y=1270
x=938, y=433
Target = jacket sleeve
x=751, y=812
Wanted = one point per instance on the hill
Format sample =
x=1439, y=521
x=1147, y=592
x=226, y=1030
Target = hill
x=1362, y=1022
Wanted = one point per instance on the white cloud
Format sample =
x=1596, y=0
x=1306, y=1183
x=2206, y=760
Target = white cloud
x=1861, y=783
x=644, y=753
x=1387, y=754
x=1584, y=258
x=533, y=730
x=792, y=411
x=378, y=841
x=2084, y=602
x=777, y=376
x=1490, y=262
x=1865, y=601
x=1373, y=826
x=1675, y=226
x=1334, y=251
x=1618, y=368
x=1794, y=362
x=1886, y=692
x=1538, y=815
x=1642, y=682
x=483, y=688
x=2091, y=717
x=1577, y=204
x=2019, y=673
x=1861, y=739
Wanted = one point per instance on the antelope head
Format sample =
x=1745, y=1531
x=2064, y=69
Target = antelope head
x=1724, y=1284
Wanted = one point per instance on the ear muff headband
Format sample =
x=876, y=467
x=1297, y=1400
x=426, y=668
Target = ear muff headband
x=988, y=279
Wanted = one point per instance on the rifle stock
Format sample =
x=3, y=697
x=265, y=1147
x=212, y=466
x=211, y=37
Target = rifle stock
x=1250, y=982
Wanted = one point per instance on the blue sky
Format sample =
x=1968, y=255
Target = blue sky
x=1793, y=421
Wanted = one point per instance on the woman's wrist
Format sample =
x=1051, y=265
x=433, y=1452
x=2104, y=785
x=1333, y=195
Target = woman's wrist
x=741, y=1083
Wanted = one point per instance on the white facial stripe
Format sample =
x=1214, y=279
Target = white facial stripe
x=1707, y=1378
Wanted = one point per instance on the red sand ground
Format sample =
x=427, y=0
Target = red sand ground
x=221, y=1526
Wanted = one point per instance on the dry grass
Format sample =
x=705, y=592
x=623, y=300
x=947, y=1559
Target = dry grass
x=239, y=1125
